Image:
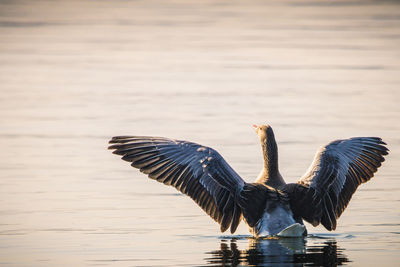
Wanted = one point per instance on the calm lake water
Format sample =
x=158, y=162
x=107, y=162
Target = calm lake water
x=75, y=73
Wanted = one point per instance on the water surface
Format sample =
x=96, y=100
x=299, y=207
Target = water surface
x=75, y=73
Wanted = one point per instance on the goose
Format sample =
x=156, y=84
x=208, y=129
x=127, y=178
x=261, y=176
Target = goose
x=269, y=206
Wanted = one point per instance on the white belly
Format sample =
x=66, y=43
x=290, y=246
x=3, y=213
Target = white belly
x=278, y=222
x=294, y=230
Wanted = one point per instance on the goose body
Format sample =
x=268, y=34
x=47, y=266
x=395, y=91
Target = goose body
x=278, y=221
x=269, y=206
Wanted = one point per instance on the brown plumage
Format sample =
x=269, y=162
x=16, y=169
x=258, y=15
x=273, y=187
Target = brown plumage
x=200, y=172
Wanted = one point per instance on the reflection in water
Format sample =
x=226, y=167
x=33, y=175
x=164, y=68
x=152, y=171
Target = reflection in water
x=288, y=251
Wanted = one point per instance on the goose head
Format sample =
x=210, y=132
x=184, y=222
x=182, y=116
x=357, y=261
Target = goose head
x=264, y=132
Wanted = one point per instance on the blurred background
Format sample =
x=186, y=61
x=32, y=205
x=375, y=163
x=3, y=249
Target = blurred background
x=75, y=73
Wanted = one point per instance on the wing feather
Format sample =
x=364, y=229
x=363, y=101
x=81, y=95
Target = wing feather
x=324, y=191
x=197, y=171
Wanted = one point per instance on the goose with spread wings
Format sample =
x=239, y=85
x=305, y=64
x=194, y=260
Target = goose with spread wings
x=269, y=206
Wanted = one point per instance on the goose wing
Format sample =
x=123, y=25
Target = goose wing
x=325, y=190
x=197, y=171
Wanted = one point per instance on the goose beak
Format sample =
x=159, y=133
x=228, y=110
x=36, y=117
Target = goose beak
x=255, y=127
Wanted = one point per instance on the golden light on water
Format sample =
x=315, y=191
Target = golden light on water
x=75, y=73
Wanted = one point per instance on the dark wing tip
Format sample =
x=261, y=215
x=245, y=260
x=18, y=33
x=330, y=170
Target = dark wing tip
x=120, y=139
x=115, y=146
x=381, y=146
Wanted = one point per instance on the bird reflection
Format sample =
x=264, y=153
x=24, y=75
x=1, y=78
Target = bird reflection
x=274, y=251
